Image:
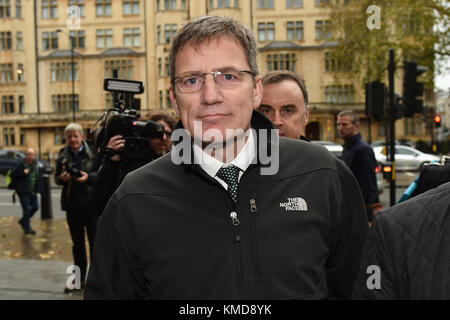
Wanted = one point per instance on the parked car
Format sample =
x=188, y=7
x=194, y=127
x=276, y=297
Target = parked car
x=336, y=149
x=9, y=159
x=406, y=158
x=403, y=142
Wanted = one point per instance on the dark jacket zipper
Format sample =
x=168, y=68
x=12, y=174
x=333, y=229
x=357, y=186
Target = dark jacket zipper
x=254, y=239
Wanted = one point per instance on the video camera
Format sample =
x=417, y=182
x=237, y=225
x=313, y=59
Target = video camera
x=123, y=120
x=74, y=172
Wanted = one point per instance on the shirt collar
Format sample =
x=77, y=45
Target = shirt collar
x=211, y=165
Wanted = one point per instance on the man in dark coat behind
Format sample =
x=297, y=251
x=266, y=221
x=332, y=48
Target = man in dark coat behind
x=359, y=157
x=407, y=252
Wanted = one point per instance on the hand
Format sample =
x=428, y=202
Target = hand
x=65, y=176
x=84, y=177
x=116, y=143
x=26, y=171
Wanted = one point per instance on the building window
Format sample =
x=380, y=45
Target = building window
x=5, y=40
x=161, y=99
x=158, y=34
x=323, y=30
x=216, y=4
x=124, y=69
x=168, y=101
x=22, y=137
x=170, y=5
x=63, y=102
x=49, y=9
x=295, y=30
x=130, y=7
x=333, y=65
x=322, y=3
x=281, y=62
x=157, y=5
x=18, y=9
x=5, y=8
x=266, y=31
x=49, y=40
x=160, y=67
x=7, y=104
x=169, y=32
x=166, y=66
x=78, y=38
x=104, y=38
x=109, y=101
x=294, y=3
x=19, y=40
x=265, y=4
x=340, y=94
x=6, y=73
x=60, y=137
x=103, y=8
x=62, y=71
x=183, y=4
x=21, y=104
x=9, y=138
x=19, y=71
x=132, y=37
x=79, y=4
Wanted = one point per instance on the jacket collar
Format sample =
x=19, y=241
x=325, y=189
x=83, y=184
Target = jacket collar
x=257, y=122
x=352, y=141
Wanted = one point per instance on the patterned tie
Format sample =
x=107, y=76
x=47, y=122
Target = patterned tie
x=230, y=175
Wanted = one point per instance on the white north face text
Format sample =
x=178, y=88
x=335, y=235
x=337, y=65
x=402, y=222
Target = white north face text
x=294, y=204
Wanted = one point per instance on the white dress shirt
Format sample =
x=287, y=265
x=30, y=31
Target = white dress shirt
x=212, y=165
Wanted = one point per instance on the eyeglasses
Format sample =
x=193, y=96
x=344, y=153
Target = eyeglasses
x=225, y=79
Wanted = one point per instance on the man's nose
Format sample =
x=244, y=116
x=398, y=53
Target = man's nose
x=277, y=121
x=211, y=91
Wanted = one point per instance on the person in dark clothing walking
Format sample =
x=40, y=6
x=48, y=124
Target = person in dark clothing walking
x=406, y=255
x=359, y=157
x=233, y=211
x=285, y=102
x=76, y=172
x=114, y=167
x=27, y=176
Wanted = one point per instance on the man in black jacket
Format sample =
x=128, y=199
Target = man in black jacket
x=26, y=176
x=359, y=157
x=407, y=250
x=285, y=102
x=76, y=172
x=114, y=166
x=233, y=212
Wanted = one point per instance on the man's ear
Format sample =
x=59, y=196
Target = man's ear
x=257, y=92
x=173, y=98
x=305, y=122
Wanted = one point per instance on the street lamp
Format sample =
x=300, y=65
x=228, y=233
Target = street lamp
x=71, y=38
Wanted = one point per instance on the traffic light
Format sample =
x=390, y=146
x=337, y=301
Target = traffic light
x=388, y=171
x=375, y=97
x=412, y=89
x=437, y=121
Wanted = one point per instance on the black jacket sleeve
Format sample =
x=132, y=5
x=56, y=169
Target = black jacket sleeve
x=106, y=183
x=377, y=258
x=349, y=227
x=114, y=273
x=365, y=174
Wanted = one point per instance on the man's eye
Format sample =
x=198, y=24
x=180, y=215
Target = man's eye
x=228, y=76
x=191, y=81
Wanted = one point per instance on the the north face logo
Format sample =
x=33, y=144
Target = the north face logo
x=294, y=204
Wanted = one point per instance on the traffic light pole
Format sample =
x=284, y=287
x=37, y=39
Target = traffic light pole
x=391, y=117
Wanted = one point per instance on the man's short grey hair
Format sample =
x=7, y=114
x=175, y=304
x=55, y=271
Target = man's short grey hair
x=280, y=75
x=353, y=116
x=207, y=28
x=73, y=127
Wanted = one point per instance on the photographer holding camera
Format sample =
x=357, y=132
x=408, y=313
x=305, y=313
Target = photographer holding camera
x=76, y=172
x=116, y=164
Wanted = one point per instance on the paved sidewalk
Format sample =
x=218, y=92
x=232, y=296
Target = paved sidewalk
x=34, y=280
